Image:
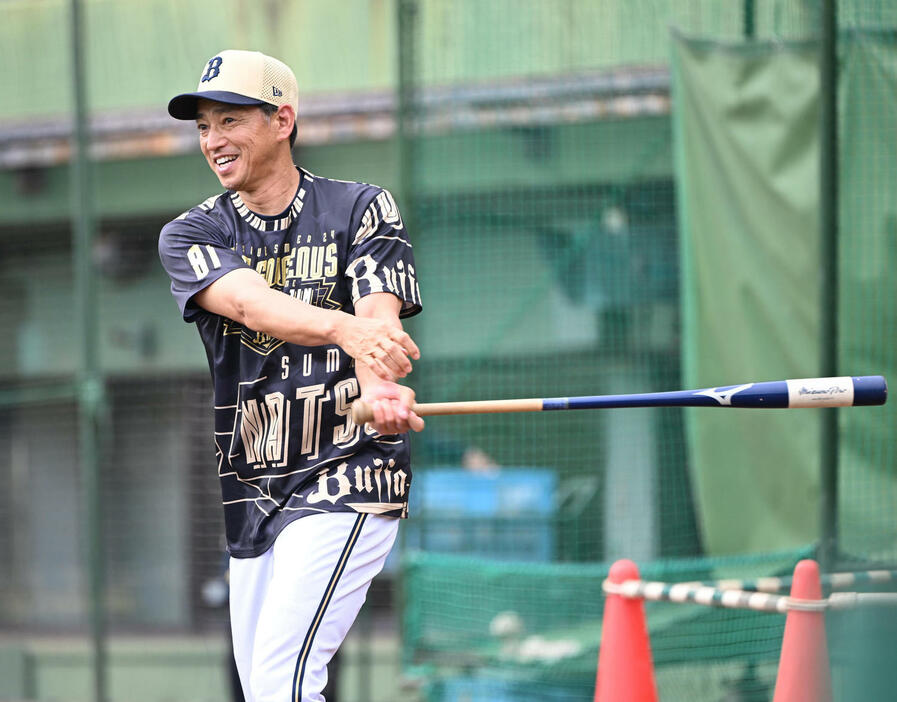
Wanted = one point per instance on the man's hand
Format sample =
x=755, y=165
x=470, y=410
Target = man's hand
x=383, y=350
x=391, y=405
x=379, y=345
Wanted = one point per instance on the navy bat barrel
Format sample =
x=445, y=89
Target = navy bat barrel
x=806, y=392
x=869, y=390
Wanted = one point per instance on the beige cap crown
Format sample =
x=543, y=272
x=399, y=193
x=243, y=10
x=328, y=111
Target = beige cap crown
x=240, y=78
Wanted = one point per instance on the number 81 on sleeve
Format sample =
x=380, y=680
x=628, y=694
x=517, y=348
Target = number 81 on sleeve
x=198, y=261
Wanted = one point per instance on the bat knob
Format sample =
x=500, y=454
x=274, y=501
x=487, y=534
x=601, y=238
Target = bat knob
x=361, y=412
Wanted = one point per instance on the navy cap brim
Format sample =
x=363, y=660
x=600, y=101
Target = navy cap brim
x=184, y=106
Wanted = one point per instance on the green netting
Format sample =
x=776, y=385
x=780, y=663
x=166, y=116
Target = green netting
x=477, y=625
x=868, y=314
x=543, y=201
x=549, y=221
x=471, y=632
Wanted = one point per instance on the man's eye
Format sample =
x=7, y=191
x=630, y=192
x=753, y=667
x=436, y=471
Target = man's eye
x=228, y=120
x=201, y=127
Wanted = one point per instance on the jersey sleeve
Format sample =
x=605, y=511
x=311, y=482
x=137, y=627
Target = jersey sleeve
x=195, y=254
x=380, y=255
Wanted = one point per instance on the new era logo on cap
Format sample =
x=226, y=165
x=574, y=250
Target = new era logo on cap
x=240, y=78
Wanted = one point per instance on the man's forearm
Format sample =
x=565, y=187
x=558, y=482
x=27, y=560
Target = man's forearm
x=283, y=317
x=243, y=296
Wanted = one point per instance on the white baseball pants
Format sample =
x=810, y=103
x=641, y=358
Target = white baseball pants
x=292, y=606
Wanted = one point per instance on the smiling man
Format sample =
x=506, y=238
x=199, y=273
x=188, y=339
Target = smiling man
x=296, y=284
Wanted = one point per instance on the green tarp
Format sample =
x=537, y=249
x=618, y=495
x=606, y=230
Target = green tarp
x=746, y=141
x=747, y=167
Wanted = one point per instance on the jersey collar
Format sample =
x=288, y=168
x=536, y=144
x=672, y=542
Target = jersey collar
x=278, y=222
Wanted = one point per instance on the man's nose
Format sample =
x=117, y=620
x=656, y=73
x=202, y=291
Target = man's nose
x=215, y=138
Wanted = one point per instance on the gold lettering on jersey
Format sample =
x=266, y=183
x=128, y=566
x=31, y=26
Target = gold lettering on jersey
x=363, y=479
x=310, y=273
x=387, y=477
x=348, y=433
x=342, y=486
x=334, y=484
x=253, y=428
x=273, y=270
x=317, y=293
x=388, y=209
x=383, y=478
x=264, y=424
x=277, y=442
x=313, y=397
x=312, y=262
x=401, y=281
x=333, y=360
x=377, y=472
x=400, y=479
x=264, y=429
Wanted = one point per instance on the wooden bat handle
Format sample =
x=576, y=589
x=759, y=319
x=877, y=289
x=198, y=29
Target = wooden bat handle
x=361, y=411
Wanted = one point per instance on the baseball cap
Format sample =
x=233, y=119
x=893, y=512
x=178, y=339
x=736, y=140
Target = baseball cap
x=240, y=78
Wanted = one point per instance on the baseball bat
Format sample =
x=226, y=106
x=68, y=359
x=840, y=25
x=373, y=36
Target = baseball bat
x=846, y=391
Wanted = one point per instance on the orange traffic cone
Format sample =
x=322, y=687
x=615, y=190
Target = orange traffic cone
x=625, y=669
x=803, y=666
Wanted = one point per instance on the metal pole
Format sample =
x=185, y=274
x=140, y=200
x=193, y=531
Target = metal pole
x=828, y=215
x=89, y=380
x=749, y=23
x=406, y=24
x=405, y=103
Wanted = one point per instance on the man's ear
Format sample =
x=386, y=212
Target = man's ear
x=284, y=119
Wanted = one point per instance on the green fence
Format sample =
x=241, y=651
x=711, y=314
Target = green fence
x=610, y=197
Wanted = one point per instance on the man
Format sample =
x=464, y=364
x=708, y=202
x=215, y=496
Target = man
x=296, y=285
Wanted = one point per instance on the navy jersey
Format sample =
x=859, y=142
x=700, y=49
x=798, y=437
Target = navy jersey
x=286, y=445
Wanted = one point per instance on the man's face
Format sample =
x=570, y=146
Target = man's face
x=238, y=141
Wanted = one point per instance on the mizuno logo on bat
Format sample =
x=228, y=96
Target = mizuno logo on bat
x=724, y=397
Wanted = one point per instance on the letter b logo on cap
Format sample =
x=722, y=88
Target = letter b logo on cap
x=212, y=70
